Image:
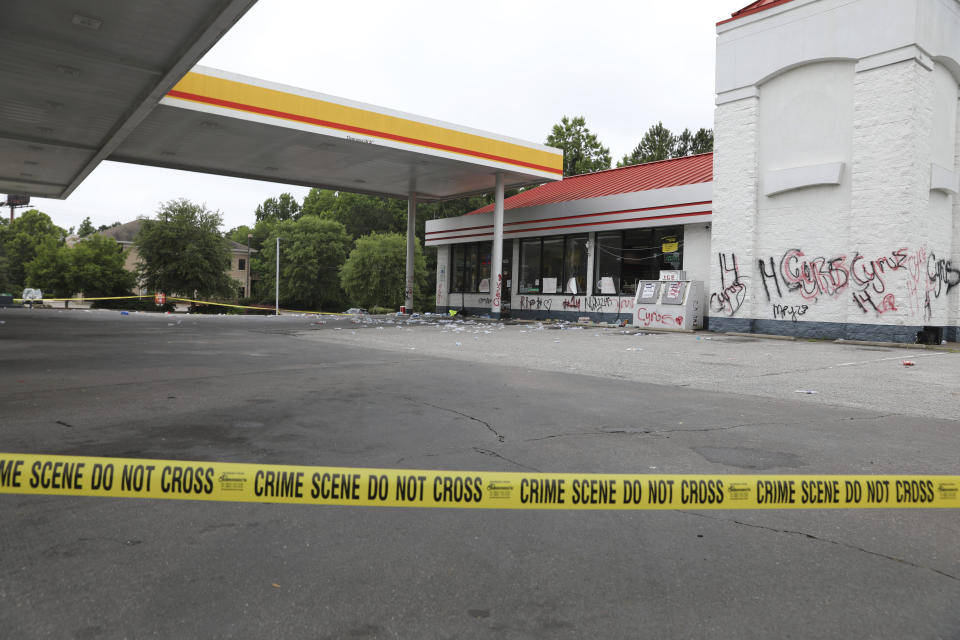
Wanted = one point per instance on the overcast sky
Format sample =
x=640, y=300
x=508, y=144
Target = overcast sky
x=505, y=66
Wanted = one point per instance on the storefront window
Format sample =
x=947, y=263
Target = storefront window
x=530, y=265
x=607, y=256
x=575, y=265
x=507, y=270
x=456, y=268
x=471, y=268
x=624, y=257
x=483, y=283
x=639, y=259
x=551, y=265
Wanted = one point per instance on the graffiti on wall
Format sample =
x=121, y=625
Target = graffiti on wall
x=733, y=289
x=535, y=303
x=591, y=304
x=650, y=318
x=865, y=279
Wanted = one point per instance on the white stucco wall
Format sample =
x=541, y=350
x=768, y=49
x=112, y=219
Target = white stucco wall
x=735, y=166
x=829, y=209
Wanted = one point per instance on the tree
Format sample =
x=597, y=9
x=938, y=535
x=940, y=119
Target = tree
x=375, y=272
x=239, y=234
x=5, y=284
x=104, y=227
x=86, y=228
x=317, y=201
x=362, y=214
x=658, y=143
x=94, y=266
x=97, y=268
x=284, y=207
x=582, y=151
x=48, y=270
x=702, y=141
x=21, y=238
x=183, y=252
x=311, y=252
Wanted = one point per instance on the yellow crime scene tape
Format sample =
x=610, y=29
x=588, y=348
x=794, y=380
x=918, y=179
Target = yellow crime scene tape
x=173, y=299
x=307, y=485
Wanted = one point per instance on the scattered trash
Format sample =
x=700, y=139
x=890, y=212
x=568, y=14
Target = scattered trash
x=124, y=313
x=908, y=363
x=459, y=344
x=807, y=391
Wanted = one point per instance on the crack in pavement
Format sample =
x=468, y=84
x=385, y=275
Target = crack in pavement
x=489, y=426
x=646, y=432
x=819, y=539
x=494, y=454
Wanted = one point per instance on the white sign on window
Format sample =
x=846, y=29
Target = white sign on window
x=549, y=285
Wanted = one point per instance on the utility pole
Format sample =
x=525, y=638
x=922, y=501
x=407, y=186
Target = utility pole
x=278, y=277
x=249, y=283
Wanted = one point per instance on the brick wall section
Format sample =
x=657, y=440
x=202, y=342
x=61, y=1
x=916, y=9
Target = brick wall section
x=735, y=167
x=891, y=181
x=953, y=297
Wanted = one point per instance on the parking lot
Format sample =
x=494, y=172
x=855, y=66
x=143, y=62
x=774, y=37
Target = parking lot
x=437, y=393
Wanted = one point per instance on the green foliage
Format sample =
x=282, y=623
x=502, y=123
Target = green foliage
x=183, y=252
x=658, y=143
x=702, y=141
x=239, y=234
x=284, y=207
x=375, y=272
x=49, y=269
x=378, y=311
x=4, y=271
x=20, y=240
x=317, y=201
x=86, y=228
x=361, y=214
x=311, y=252
x=582, y=151
x=104, y=227
x=93, y=266
x=97, y=268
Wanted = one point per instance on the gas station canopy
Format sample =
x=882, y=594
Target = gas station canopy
x=83, y=81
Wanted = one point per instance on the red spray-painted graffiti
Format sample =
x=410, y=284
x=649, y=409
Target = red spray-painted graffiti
x=648, y=318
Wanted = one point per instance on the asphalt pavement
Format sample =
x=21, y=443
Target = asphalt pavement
x=377, y=392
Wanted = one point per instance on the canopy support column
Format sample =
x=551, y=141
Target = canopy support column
x=496, y=257
x=411, y=245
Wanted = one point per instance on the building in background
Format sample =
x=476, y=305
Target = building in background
x=831, y=210
x=577, y=248
x=240, y=254
x=836, y=170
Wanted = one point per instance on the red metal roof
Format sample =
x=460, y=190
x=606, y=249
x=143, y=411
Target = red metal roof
x=638, y=177
x=754, y=7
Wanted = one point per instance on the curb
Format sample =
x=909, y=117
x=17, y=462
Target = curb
x=768, y=336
